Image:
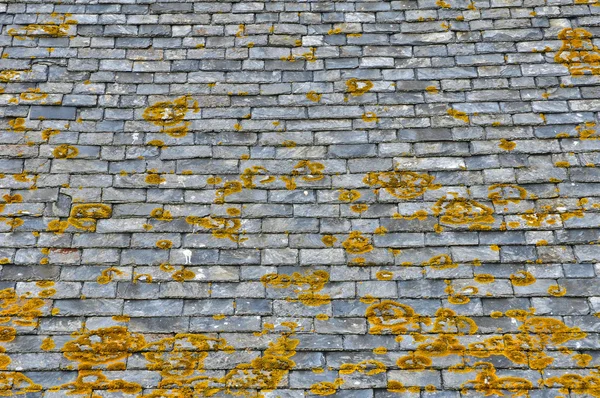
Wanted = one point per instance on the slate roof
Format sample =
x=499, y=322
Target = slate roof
x=358, y=199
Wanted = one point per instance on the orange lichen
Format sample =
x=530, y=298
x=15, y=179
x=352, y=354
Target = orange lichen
x=463, y=211
x=359, y=207
x=557, y=291
x=221, y=227
x=369, y=117
x=48, y=344
x=357, y=243
x=488, y=383
x=349, y=195
x=522, y=278
x=161, y=214
x=394, y=317
x=484, y=278
x=384, y=275
x=578, y=53
x=309, y=170
x=306, y=285
x=586, y=131
x=313, y=96
x=170, y=115
x=356, y=87
x=441, y=261
x=503, y=194
x=32, y=94
x=57, y=26
x=507, y=145
x=65, y=151
x=368, y=367
x=47, y=133
x=324, y=388
x=17, y=124
x=164, y=244
x=401, y=184
x=107, y=275
x=84, y=216
x=229, y=188
x=328, y=240
x=458, y=115
x=154, y=179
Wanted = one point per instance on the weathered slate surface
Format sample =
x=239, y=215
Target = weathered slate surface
x=285, y=199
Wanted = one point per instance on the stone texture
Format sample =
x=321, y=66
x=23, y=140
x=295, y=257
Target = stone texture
x=359, y=199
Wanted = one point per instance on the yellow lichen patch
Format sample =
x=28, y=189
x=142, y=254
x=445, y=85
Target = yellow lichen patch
x=161, y=214
x=154, y=179
x=328, y=240
x=384, y=275
x=432, y=89
x=95, y=211
x=582, y=360
x=57, y=26
x=17, y=382
x=47, y=133
x=357, y=243
x=380, y=350
x=324, y=388
x=65, y=151
x=413, y=362
x=313, y=96
x=84, y=216
x=250, y=174
x=484, y=278
x=401, y=184
x=19, y=310
x=397, y=318
x=488, y=383
x=17, y=124
x=368, y=367
x=309, y=170
x=47, y=344
x=369, y=117
x=522, y=278
x=557, y=291
x=107, y=275
x=458, y=115
x=33, y=94
x=170, y=115
x=442, y=3
x=439, y=262
x=306, y=285
x=164, y=244
x=577, y=52
x=356, y=87
x=221, y=227
x=16, y=198
x=349, y=195
x=157, y=143
x=9, y=76
x=503, y=194
x=463, y=211
x=121, y=318
x=587, y=131
x=359, y=208
x=507, y=145
x=228, y=188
